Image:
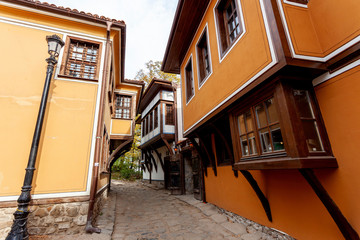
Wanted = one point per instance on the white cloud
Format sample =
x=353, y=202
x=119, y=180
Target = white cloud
x=148, y=25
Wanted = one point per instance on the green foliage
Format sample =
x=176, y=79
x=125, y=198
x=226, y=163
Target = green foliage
x=153, y=71
x=125, y=168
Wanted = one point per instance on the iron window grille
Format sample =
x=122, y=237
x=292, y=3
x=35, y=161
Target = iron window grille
x=123, y=106
x=82, y=59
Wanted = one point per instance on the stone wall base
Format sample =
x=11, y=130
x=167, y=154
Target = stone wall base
x=274, y=233
x=47, y=219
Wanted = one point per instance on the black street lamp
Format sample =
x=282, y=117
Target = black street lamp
x=19, y=229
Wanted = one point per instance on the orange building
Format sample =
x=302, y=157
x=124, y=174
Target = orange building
x=269, y=91
x=90, y=112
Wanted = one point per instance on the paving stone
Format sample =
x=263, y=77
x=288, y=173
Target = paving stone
x=252, y=236
x=236, y=228
x=219, y=218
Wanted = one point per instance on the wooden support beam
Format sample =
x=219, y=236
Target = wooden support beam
x=115, y=154
x=207, y=154
x=171, y=152
x=201, y=155
x=259, y=193
x=145, y=162
x=160, y=159
x=227, y=146
x=152, y=158
x=344, y=226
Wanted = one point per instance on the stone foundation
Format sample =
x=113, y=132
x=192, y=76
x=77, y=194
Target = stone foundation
x=253, y=226
x=47, y=219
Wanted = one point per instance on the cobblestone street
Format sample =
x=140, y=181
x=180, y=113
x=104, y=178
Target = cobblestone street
x=144, y=213
x=138, y=211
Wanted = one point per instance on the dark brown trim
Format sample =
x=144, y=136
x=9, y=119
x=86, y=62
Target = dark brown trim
x=227, y=146
x=287, y=163
x=207, y=152
x=35, y=202
x=344, y=226
x=259, y=193
x=171, y=152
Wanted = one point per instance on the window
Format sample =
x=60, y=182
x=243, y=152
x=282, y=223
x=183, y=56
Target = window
x=169, y=117
x=123, y=106
x=156, y=120
x=151, y=122
x=260, y=120
x=82, y=59
x=308, y=120
x=202, y=51
x=189, y=81
x=279, y=126
x=143, y=128
x=229, y=25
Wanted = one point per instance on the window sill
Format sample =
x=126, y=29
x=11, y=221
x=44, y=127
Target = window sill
x=288, y=163
x=77, y=78
x=121, y=118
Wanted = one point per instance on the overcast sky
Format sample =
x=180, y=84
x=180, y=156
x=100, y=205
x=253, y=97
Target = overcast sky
x=148, y=24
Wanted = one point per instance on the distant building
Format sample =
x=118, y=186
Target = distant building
x=90, y=113
x=269, y=92
x=168, y=159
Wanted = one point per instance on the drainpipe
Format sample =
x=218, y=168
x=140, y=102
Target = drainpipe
x=175, y=115
x=89, y=228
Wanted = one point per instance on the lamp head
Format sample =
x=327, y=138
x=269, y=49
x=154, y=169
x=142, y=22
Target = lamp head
x=55, y=43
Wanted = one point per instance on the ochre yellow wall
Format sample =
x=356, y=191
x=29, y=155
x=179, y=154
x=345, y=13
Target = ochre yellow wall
x=121, y=126
x=295, y=208
x=248, y=56
x=64, y=154
x=52, y=21
x=322, y=27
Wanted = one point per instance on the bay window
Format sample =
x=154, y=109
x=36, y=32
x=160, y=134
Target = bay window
x=280, y=126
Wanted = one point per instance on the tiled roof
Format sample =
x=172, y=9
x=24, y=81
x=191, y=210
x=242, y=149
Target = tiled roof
x=66, y=11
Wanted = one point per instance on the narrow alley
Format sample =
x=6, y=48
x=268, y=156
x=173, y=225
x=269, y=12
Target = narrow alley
x=147, y=213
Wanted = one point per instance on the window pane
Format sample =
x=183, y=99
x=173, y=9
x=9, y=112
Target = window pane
x=265, y=140
x=242, y=128
x=276, y=137
x=244, y=146
x=271, y=109
x=252, y=143
x=260, y=116
x=303, y=102
x=248, y=121
x=312, y=136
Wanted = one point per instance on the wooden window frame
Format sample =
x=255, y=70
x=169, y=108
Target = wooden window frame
x=203, y=55
x=305, y=2
x=224, y=40
x=169, y=114
x=66, y=56
x=189, y=80
x=296, y=154
x=122, y=107
x=151, y=121
x=156, y=117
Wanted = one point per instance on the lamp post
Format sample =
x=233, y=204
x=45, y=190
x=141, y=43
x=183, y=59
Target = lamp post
x=19, y=229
